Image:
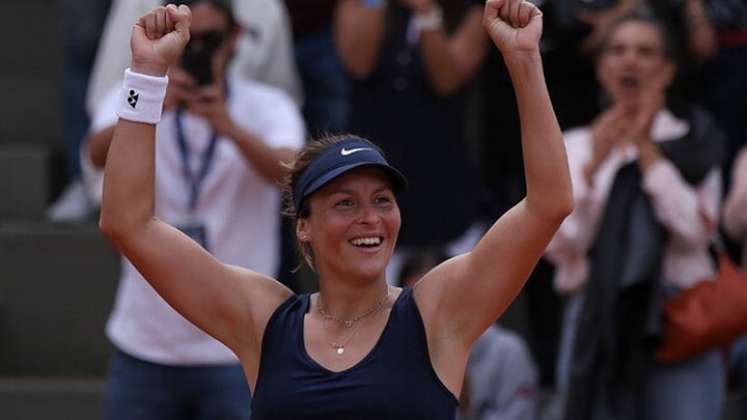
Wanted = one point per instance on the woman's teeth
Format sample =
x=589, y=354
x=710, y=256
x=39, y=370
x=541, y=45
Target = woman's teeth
x=370, y=241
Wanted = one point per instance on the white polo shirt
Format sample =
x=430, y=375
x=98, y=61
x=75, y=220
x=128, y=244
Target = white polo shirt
x=240, y=210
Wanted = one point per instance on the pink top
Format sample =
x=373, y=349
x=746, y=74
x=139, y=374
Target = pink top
x=685, y=211
x=735, y=209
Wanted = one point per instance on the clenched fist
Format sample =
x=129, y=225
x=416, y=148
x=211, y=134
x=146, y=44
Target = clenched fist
x=514, y=25
x=158, y=39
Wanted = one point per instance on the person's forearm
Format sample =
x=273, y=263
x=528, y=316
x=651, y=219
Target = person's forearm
x=443, y=68
x=549, y=190
x=128, y=200
x=735, y=216
x=687, y=212
x=268, y=161
x=735, y=210
x=735, y=206
x=702, y=40
x=451, y=61
x=359, y=33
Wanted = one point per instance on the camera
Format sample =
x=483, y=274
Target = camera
x=198, y=55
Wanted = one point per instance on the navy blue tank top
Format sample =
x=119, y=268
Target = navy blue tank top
x=394, y=381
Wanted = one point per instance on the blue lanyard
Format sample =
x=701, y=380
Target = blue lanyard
x=195, y=181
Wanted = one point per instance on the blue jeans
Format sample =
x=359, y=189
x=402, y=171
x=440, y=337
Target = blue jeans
x=691, y=390
x=139, y=390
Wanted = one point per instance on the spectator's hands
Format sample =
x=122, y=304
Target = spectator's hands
x=158, y=39
x=515, y=26
x=607, y=131
x=182, y=89
x=643, y=114
x=211, y=105
x=640, y=129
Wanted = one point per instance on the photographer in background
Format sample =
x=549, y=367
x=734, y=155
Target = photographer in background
x=220, y=148
x=264, y=53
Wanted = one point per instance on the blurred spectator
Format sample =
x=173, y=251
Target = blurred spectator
x=735, y=207
x=725, y=86
x=693, y=41
x=647, y=190
x=264, y=53
x=501, y=380
x=219, y=152
x=735, y=222
x=325, y=82
x=81, y=25
x=410, y=61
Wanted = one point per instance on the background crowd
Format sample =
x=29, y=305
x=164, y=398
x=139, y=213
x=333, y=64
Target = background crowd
x=653, y=111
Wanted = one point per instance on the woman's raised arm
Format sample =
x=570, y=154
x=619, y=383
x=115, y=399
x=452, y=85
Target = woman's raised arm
x=463, y=296
x=229, y=303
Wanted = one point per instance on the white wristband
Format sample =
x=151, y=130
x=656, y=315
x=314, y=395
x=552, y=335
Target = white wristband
x=142, y=97
x=432, y=20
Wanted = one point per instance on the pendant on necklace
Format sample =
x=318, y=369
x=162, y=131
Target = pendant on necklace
x=348, y=323
x=340, y=350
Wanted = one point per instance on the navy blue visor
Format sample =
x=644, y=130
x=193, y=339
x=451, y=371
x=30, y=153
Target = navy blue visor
x=339, y=158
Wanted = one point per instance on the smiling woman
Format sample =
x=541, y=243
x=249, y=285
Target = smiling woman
x=358, y=348
x=321, y=162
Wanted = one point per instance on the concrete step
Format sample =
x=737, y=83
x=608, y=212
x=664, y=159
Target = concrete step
x=57, y=285
x=30, y=74
x=25, y=182
x=43, y=399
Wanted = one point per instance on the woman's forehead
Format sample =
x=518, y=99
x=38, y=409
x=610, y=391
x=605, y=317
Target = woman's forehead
x=361, y=179
x=636, y=31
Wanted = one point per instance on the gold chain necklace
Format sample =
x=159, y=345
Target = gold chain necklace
x=339, y=347
x=348, y=323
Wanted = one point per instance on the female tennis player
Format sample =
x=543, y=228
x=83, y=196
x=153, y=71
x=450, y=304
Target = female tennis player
x=359, y=348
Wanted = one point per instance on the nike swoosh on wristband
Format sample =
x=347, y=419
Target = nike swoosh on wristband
x=348, y=152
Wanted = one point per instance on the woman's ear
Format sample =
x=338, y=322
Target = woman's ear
x=302, y=230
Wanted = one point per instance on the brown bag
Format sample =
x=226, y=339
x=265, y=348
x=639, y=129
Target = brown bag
x=707, y=316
